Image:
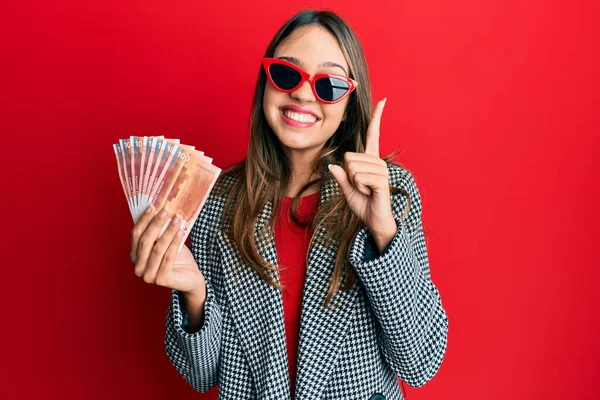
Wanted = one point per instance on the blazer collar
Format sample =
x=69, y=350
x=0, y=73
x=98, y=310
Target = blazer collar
x=257, y=310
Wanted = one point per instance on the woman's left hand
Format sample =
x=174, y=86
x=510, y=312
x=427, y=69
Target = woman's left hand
x=364, y=182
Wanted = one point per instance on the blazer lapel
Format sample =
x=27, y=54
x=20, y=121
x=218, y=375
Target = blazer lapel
x=257, y=309
x=322, y=331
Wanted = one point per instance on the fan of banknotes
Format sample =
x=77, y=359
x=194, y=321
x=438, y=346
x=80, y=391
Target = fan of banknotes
x=166, y=174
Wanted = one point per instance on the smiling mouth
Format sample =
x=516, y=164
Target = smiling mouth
x=300, y=117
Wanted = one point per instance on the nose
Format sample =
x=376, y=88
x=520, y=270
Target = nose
x=304, y=93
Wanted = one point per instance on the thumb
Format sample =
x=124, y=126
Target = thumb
x=340, y=176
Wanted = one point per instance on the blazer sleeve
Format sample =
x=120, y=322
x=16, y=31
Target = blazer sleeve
x=195, y=355
x=407, y=305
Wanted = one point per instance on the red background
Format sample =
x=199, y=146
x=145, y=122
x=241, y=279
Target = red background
x=493, y=104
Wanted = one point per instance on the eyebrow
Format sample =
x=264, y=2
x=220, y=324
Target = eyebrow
x=323, y=64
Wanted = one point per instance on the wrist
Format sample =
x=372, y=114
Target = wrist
x=195, y=296
x=385, y=234
x=193, y=303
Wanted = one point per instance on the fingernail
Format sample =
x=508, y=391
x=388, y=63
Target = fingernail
x=163, y=213
x=176, y=219
x=329, y=166
x=149, y=209
x=384, y=100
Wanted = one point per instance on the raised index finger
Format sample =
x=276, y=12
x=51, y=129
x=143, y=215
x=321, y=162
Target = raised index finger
x=372, y=145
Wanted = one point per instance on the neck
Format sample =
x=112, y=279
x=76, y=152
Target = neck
x=300, y=166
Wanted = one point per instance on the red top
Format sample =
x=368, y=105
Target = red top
x=291, y=242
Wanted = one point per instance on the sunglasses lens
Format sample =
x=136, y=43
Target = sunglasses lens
x=331, y=89
x=284, y=77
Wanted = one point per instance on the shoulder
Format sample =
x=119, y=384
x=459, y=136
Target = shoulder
x=402, y=178
x=221, y=189
x=408, y=195
x=225, y=183
x=212, y=209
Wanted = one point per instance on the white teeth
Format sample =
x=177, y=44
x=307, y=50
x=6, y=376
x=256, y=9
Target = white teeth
x=300, y=117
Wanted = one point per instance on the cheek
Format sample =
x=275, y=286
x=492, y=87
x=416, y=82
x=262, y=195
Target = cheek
x=334, y=113
x=271, y=101
x=267, y=98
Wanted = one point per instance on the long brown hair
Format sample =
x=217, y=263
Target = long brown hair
x=264, y=174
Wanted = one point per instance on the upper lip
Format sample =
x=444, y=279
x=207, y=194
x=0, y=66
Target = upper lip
x=299, y=109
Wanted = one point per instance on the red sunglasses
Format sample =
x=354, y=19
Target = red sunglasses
x=288, y=77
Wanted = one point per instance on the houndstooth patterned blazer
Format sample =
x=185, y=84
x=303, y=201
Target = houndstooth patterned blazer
x=391, y=324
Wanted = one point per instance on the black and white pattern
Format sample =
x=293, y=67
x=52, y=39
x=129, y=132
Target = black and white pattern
x=391, y=324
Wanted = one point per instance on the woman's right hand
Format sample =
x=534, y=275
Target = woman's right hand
x=158, y=262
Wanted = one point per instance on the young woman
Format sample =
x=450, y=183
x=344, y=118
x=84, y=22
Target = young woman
x=308, y=274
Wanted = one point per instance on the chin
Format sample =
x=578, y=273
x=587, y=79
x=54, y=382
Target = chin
x=294, y=143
